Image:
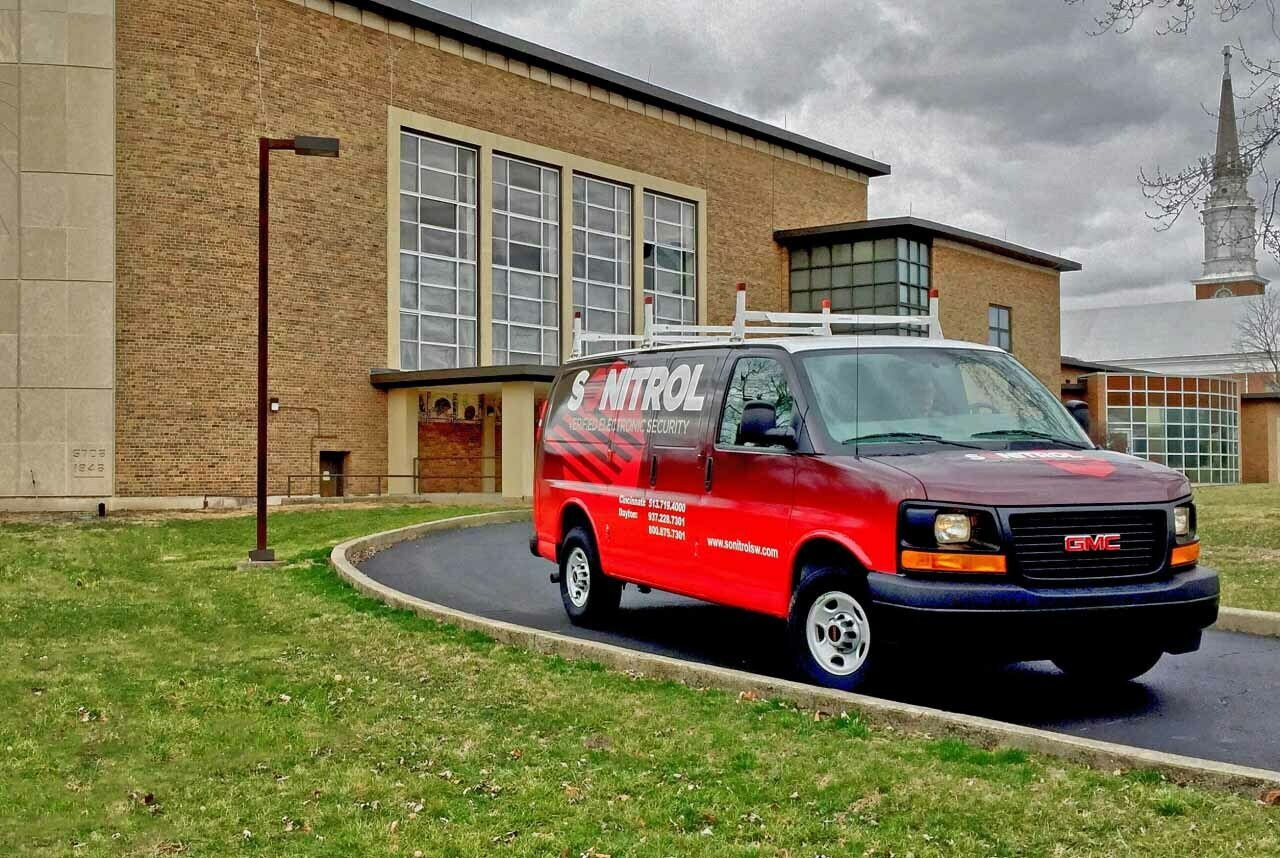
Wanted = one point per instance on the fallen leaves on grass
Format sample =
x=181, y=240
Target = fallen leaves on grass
x=597, y=742
x=483, y=788
x=1271, y=797
x=147, y=800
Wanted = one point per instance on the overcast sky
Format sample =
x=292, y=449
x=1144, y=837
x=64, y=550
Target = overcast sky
x=1013, y=121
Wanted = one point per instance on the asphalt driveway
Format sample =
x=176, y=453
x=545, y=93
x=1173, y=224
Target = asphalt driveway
x=1222, y=703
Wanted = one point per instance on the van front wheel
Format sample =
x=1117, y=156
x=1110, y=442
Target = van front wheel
x=590, y=597
x=829, y=627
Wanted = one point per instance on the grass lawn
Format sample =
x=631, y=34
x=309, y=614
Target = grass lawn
x=157, y=702
x=1240, y=529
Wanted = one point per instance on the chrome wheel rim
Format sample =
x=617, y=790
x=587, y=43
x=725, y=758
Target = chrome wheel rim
x=838, y=633
x=578, y=577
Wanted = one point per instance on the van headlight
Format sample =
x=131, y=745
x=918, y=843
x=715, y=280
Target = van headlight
x=952, y=528
x=1182, y=521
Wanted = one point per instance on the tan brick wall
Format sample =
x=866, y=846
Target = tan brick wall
x=1260, y=441
x=970, y=280
x=188, y=114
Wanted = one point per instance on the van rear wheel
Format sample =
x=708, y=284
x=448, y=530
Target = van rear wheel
x=829, y=629
x=590, y=597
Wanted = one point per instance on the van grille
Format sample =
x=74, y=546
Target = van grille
x=1039, y=543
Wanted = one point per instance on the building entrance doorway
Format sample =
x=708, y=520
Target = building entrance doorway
x=333, y=466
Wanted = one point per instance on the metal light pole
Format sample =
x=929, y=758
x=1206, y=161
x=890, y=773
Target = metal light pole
x=324, y=147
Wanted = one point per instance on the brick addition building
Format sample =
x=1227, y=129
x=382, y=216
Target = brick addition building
x=422, y=284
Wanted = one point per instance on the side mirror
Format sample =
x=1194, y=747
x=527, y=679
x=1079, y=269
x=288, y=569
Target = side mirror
x=1080, y=411
x=759, y=427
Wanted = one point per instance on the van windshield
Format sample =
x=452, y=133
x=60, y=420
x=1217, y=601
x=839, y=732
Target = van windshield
x=930, y=396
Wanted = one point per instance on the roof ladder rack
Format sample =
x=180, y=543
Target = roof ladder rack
x=774, y=325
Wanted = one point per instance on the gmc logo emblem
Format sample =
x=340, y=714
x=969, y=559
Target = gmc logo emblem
x=1097, y=542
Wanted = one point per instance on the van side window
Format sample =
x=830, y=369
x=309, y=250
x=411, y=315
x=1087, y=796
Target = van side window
x=755, y=379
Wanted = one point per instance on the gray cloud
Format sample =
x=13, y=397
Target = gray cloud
x=1005, y=117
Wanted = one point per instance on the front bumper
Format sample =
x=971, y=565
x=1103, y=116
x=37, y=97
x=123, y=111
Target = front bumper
x=1020, y=622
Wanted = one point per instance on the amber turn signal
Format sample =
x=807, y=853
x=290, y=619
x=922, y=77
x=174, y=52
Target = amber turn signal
x=953, y=561
x=1185, y=555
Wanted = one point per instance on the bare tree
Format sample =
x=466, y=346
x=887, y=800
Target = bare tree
x=1258, y=338
x=1171, y=193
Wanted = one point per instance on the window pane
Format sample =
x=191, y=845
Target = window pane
x=526, y=246
x=437, y=253
x=755, y=380
x=668, y=233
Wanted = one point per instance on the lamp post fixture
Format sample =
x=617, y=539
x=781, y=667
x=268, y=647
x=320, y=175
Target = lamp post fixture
x=324, y=147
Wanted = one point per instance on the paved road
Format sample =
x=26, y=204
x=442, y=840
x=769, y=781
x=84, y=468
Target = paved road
x=1222, y=702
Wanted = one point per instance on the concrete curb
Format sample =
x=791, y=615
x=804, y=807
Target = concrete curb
x=885, y=714
x=1248, y=622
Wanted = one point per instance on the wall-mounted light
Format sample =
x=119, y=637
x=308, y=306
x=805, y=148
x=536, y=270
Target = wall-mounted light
x=274, y=403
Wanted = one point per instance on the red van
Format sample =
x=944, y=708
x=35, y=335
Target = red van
x=873, y=491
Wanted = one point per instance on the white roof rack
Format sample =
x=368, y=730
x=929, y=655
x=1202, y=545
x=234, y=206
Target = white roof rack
x=775, y=325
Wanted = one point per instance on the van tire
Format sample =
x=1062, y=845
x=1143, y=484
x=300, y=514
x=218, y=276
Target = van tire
x=590, y=597
x=829, y=629
x=1109, y=665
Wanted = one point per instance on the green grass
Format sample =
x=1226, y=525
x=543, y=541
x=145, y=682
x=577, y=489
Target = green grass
x=153, y=701
x=1240, y=530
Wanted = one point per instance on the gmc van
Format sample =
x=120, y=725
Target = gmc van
x=874, y=492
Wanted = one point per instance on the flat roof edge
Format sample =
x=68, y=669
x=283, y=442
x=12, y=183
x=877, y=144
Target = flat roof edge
x=469, y=31
x=388, y=379
x=963, y=236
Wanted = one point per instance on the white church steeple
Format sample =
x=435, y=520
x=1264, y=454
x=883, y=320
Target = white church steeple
x=1230, y=215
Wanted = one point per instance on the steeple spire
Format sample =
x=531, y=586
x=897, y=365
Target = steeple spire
x=1230, y=234
x=1227, y=166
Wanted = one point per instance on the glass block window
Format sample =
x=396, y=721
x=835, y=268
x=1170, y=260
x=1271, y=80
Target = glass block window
x=602, y=258
x=670, y=258
x=1188, y=423
x=437, y=253
x=885, y=276
x=526, y=262
x=1000, y=327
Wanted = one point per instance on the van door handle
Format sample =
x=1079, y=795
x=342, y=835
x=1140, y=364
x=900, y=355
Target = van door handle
x=653, y=471
x=706, y=482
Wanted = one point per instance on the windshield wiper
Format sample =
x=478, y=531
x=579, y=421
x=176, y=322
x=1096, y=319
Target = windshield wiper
x=1030, y=433
x=908, y=436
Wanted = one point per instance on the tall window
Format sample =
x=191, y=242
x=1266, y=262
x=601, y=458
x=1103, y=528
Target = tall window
x=670, y=263
x=999, y=327
x=437, y=253
x=602, y=258
x=526, y=262
x=885, y=276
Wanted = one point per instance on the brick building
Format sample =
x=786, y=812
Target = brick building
x=422, y=283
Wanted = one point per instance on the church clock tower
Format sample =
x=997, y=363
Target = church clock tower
x=1230, y=215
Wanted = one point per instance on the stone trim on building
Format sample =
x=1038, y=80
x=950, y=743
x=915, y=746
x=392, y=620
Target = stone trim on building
x=57, y=248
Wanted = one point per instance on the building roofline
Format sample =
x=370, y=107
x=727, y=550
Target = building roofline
x=1270, y=394
x=919, y=226
x=388, y=379
x=1077, y=363
x=487, y=37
